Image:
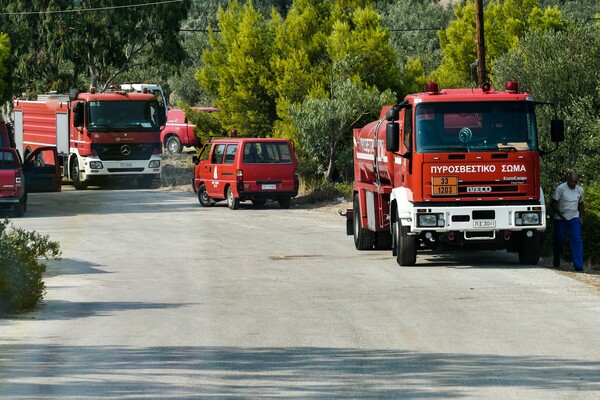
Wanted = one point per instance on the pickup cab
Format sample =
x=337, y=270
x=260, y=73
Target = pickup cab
x=39, y=173
x=179, y=131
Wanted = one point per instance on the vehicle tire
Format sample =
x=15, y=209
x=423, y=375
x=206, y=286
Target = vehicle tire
x=173, y=145
x=383, y=241
x=19, y=208
x=259, y=202
x=146, y=181
x=529, y=252
x=285, y=202
x=232, y=202
x=77, y=182
x=203, y=198
x=406, y=245
x=363, y=238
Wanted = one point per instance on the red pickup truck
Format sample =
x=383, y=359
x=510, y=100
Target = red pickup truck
x=39, y=173
x=179, y=132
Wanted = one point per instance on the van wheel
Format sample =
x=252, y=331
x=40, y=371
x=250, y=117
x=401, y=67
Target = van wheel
x=173, y=145
x=203, y=198
x=77, y=182
x=285, y=202
x=232, y=202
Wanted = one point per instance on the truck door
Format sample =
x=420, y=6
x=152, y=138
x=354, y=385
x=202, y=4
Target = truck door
x=42, y=171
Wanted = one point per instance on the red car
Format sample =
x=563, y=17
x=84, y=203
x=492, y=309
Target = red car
x=240, y=169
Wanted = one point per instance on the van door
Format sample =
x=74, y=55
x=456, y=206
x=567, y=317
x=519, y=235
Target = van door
x=42, y=171
x=214, y=186
x=228, y=169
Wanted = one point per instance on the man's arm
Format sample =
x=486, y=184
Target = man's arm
x=556, y=209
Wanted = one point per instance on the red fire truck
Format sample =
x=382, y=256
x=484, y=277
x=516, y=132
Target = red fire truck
x=451, y=169
x=97, y=135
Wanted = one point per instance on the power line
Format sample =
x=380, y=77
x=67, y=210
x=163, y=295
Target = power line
x=92, y=9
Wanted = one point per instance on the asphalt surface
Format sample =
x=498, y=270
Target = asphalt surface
x=158, y=298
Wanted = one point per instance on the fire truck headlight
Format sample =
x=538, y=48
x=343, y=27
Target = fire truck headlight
x=428, y=220
x=154, y=164
x=527, y=218
x=95, y=165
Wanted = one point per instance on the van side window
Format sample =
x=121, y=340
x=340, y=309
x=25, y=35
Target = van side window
x=230, y=153
x=252, y=153
x=204, y=153
x=217, y=157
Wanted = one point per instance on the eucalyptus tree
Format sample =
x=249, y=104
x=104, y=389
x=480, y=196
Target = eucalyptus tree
x=61, y=43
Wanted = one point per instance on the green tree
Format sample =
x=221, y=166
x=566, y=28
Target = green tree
x=4, y=60
x=413, y=26
x=237, y=72
x=555, y=67
x=63, y=43
x=505, y=23
x=324, y=123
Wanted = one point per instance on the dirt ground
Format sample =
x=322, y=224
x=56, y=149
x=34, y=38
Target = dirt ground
x=178, y=173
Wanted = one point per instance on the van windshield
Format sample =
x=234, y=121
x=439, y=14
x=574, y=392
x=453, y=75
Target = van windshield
x=267, y=153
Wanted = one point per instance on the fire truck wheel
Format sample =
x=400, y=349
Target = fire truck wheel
x=77, y=182
x=203, y=198
x=285, y=202
x=232, y=202
x=383, y=241
x=363, y=238
x=173, y=145
x=406, y=245
x=529, y=252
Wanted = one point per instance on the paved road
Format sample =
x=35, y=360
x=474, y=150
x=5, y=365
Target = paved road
x=158, y=298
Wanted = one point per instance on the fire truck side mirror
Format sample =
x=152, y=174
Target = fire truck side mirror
x=557, y=130
x=392, y=114
x=78, y=115
x=392, y=136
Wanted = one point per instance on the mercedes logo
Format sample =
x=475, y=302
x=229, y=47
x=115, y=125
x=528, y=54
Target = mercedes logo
x=126, y=150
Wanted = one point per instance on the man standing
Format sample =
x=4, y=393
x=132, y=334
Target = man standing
x=567, y=203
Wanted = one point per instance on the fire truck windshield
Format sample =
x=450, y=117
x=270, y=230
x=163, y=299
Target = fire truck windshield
x=475, y=126
x=122, y=116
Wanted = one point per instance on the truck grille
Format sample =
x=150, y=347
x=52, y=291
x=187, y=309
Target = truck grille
x=129, y=151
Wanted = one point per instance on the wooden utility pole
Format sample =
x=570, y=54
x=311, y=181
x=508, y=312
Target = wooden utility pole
x=481, y=78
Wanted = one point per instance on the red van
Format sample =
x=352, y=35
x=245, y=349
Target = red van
x=179, y=131
x=239, y=169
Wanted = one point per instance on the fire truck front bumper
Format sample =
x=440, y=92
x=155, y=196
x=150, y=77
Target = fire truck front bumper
x=96, y=167
x=478, y=219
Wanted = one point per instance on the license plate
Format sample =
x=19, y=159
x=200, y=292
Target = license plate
x=444, y=185
x=484, y=223
x=269, y=187
x=125, y=164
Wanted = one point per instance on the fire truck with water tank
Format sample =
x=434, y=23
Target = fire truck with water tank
x=451, y=169
x=97, y=135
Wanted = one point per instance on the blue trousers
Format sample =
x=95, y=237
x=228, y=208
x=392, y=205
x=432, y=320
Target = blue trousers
x=573, y=226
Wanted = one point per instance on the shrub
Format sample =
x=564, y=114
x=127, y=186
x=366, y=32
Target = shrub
x=21, y=284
